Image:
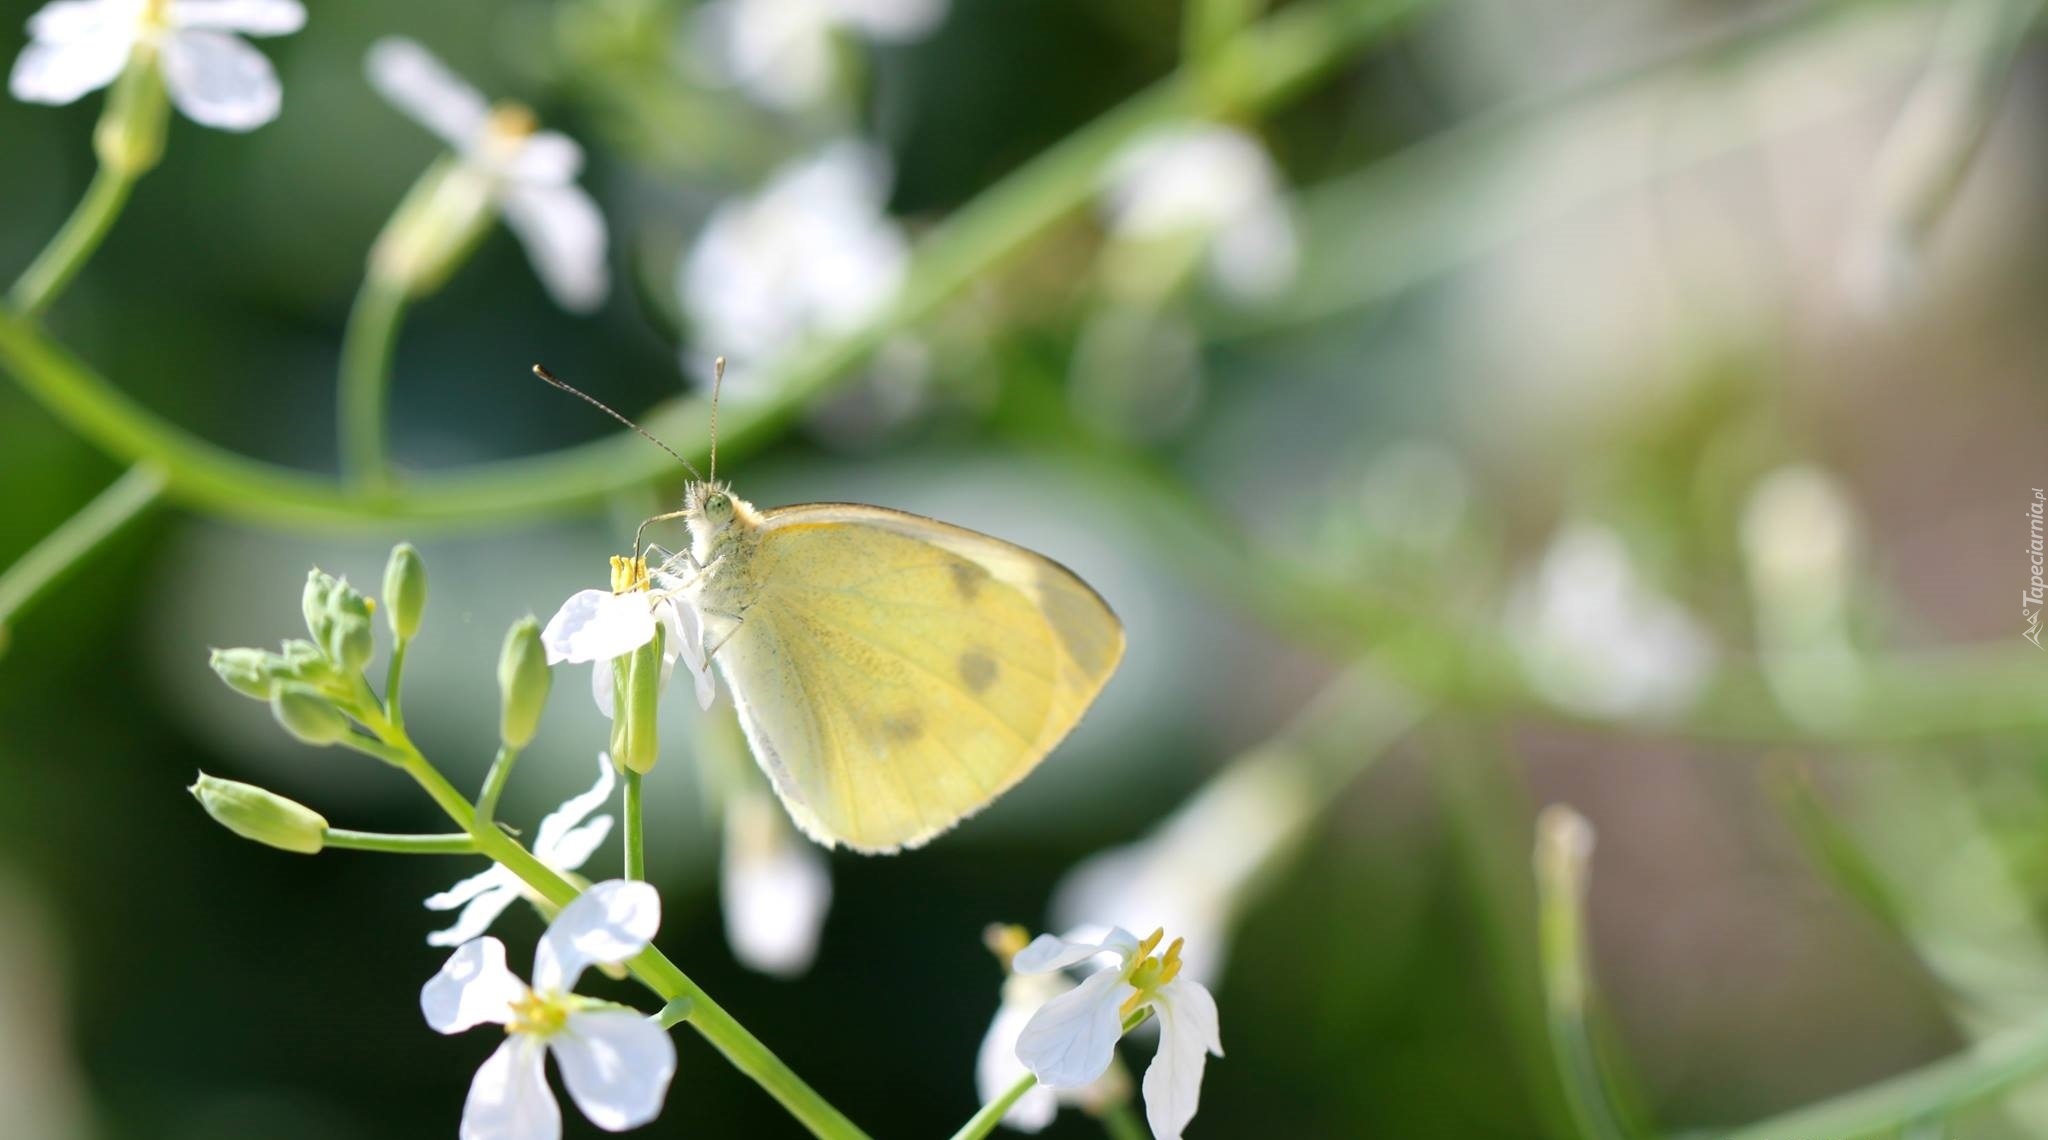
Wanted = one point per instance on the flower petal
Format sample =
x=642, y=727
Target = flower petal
x=548, y=158
x=597, y=625
x=1072, y=1039
x=474, y=886
x=1048, y=952
x=996, y=1068
x=564, y=236
x=249, y=17
x=472, y=987
x=573, y=811
x=509, y=1097
x=617, y=1065
x=477, y=915
x=686, y=643
x=580, y=843
x=1187, y=1035
x=219, y=81
x=602, y=686
x=60, y=71
x=412, y=80
x=610, y=922
x=69, y=21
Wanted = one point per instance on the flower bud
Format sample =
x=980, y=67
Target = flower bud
x=523, y=681
x=635, y=745
x=439, y=224
x=250, y=672
x=301, y=660
x=262, y=815
x=405, y=591
x=338, y=617
x=307, y=715
x=129, y=138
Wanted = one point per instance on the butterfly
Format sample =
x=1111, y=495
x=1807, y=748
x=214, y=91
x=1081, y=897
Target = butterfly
x=893, y=674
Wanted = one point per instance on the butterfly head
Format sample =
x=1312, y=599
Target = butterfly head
x=714, y=513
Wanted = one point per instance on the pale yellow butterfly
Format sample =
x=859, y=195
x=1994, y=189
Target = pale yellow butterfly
x=893, y=674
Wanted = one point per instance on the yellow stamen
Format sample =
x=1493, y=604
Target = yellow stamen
x=538, y=1016
x=1151, y=942
x=1170, y=967
x=628, y=574
x=1005, y=941
x=512, y=121
x=1132, y=1003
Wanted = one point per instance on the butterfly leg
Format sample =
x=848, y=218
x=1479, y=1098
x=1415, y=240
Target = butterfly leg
x=737, y=620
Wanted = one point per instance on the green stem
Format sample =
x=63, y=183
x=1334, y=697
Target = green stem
x=394, y=680
x=1943, y=1088
x=63, y=549
x=984, y=1122
x=635, y=828
x=68, y=251
x=1563, y=844
x=456, y=844
x=494, y=784
x=363, y=411
x=650, y=966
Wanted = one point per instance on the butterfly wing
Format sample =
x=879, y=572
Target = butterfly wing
x=895, y=674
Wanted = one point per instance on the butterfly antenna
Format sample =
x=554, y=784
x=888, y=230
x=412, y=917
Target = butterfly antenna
x=717, y=382
x=594, y=402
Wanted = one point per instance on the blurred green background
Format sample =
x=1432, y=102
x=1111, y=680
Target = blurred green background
x=1572, y=284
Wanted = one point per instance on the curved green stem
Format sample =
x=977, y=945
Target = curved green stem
x=362, y=410
x=456, y=844
x=394, y=684
x=635, y=828
x=64, y=548
x=984, y=1122
x=67, y=253
x=494, y=783
x=650, y=966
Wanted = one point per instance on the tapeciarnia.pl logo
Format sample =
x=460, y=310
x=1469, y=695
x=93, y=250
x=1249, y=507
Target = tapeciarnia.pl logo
x=2037, y=590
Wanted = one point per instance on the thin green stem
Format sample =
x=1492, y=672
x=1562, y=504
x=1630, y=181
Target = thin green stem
x=1563, y=844
x=635, y=828
x=650, y=966
x=1120, y=1121
x=363, y=411
x=494, y=784
x=63, y=549
x=459, y=843
x=68, y=251
x=984, y=1122
x=394, y=682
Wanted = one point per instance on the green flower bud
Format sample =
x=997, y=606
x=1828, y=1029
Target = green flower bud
x=307, y=715
x=405, y=591
x=523, y=681
x=634, y=743
x=250, y=672
x=130, y=136
x=301, y=661
x=442, y=220
x=313, y=603
x=338, y=617
x=264, y=816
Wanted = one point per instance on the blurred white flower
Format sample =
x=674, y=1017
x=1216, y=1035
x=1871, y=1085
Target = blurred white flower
x=564, y=842
x=78, y=46
x=1071, y=1041
x=775, y=887
x=1598, y=640
x=616, y=1062
x=528, y=173
x=783, y=53
x=813, y=252
x=600, y=626
x=1180, y=877
x=1212, y=184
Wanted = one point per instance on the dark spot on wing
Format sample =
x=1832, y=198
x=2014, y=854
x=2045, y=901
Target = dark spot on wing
x=978, y=669
x=903, y=726
x=967, y=578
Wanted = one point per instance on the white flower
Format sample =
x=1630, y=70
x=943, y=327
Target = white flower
x=1214, y=184
x=529, y=173
x=1598, y=640
x=775, y=887
x=616, y=1062
x=601, y=626
x=1180, y=877
x=782, y=52
x=77, y=46
x=996, y=1067
x=813, y=252
x=564, y=842
x=1071, y=1040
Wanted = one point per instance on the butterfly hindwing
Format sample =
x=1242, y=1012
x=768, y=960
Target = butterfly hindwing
x=894, y=674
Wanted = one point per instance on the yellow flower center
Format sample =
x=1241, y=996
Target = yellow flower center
x=156, y=15
x=543, y=1017
x=1147, y=972
x=629, y=574
x=1005, y=941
